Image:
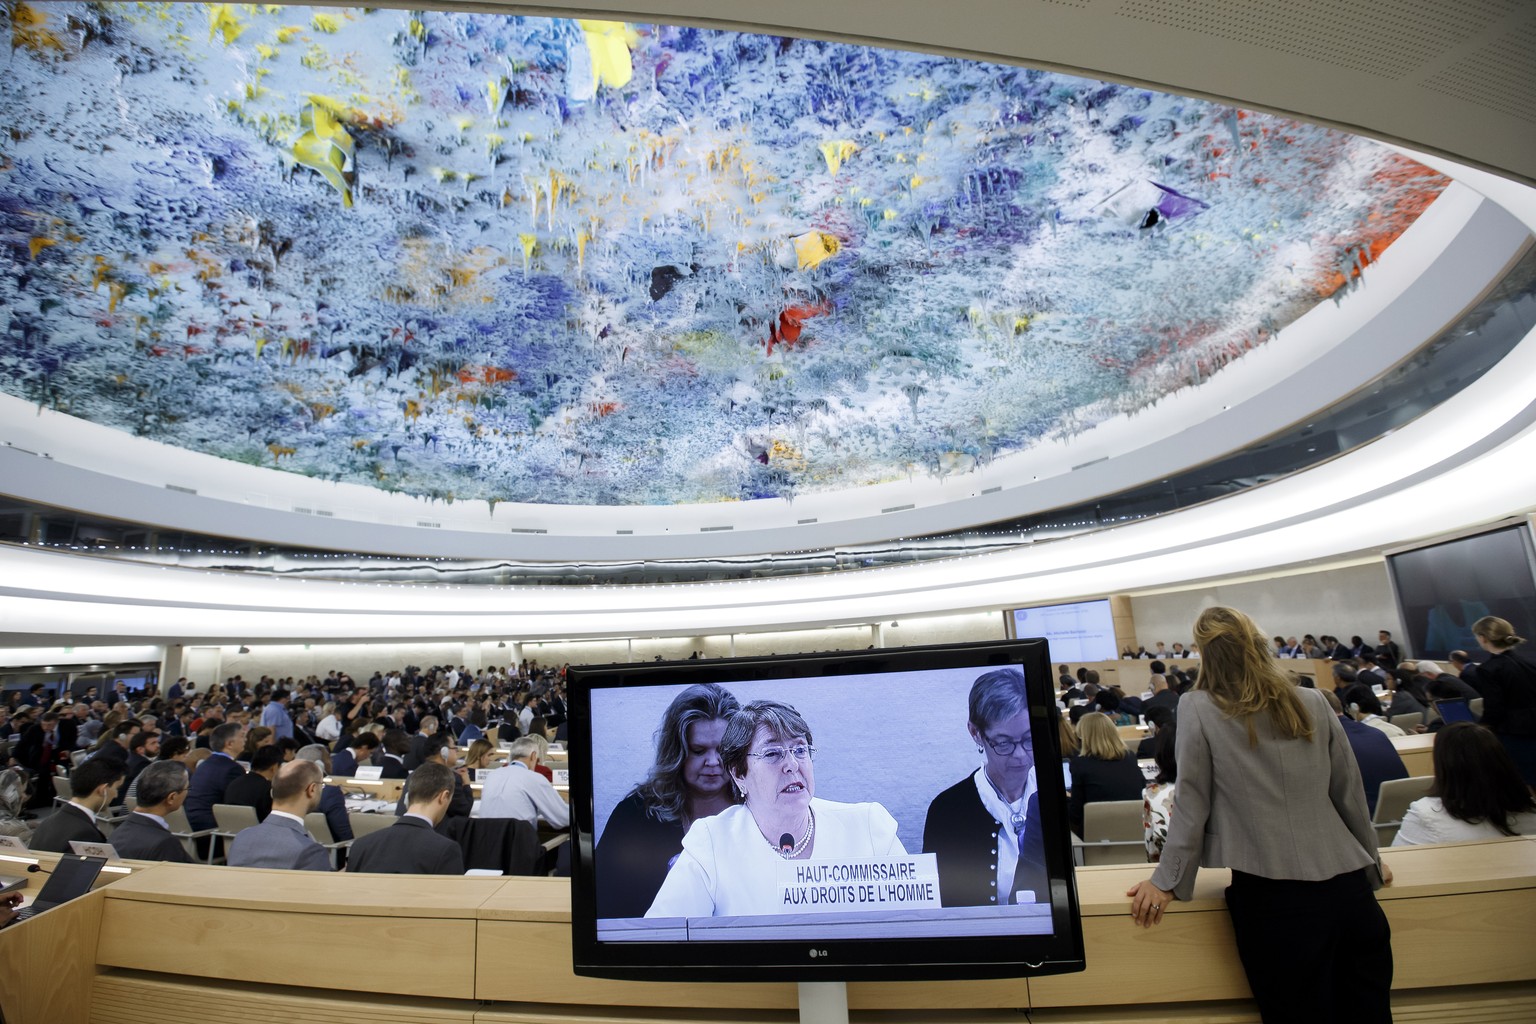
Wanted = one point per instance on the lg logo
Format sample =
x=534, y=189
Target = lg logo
x=818, y=952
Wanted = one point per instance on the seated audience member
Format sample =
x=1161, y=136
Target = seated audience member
x=14, y=785
x=1159, y=717
x=517, y=791
x=441, y=750
x=1443, y=685
x=1378, y=759
x=93, y=787
x=1163, y=696
x=1157, y=796
x=396, y=746
x=213, y=777
x=358, y=751
x=411, y=846
x=333, y=803
x=1107, y=702
x=421, y=743
x=1363, y=704
x=1466, y=670
x=162, y=788
x=143, y=750
x=1478, y=792
x=1103, y=768
x=282, y=841
x=257, y=737
x=254, y=788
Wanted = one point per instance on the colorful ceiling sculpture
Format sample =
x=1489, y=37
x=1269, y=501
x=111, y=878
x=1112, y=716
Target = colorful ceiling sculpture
x=521, y=259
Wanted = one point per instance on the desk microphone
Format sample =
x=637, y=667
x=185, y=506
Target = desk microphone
x=786, y=846
x=32, y=868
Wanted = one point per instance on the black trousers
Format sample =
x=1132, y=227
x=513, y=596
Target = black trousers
x=1314, y=952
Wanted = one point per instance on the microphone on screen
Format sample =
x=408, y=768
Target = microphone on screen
x=786, y=843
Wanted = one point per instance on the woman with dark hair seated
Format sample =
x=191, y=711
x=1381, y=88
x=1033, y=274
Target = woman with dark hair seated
x=1157, y=797
x=1107, y=702
x=1478, y=792
x=687, y=781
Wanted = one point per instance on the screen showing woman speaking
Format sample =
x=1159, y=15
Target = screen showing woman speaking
x=890, y=804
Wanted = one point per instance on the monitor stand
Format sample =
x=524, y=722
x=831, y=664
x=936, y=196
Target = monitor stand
x=823, y=1002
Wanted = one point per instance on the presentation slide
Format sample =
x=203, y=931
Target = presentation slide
x=1083, y=631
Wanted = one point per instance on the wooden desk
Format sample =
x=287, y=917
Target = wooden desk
x=1417, y=752
x=203, y=944
x=382, y=789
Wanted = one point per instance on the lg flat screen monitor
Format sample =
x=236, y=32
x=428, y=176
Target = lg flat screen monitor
x=1077, y=632
x=886, y=814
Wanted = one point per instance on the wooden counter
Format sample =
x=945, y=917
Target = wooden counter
x=1417, y=751
x=195, y=943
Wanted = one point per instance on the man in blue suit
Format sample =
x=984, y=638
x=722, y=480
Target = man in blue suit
x=360, y=751
x=1378, y=759
x=282, y=841
x=215, y=774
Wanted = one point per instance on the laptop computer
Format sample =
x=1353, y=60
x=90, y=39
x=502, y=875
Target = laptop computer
x=72, y=876
x=1455, y=711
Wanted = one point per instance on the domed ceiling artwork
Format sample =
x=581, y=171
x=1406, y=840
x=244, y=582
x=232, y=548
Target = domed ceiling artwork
x=496, y=258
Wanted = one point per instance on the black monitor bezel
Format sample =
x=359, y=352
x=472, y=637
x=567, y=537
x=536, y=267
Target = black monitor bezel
x=841, y=960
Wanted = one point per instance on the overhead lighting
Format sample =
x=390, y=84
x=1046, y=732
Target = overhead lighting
x=244, y=649
x=501, y=643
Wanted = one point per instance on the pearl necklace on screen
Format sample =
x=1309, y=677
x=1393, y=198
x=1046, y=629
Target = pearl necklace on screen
x=799, y=848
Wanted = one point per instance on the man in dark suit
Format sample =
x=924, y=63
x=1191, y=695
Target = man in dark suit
x=92, y=788
x=359, y=751
x=411, y=846
x=396, y=746
x=215, y=774
x=420, y=743
x=254, y=788
x=282, y=841
x=41, y=747
x=1378, y=759
x=1163, y=696
x=146, y=835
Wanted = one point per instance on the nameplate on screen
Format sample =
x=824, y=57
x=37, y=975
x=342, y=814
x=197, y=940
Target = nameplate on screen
x=12, y=843
x=371, y=773
x=839, y=886
x=102, y=850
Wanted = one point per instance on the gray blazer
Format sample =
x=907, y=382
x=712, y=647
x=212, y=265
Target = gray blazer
x=278, y=842
x=1283, y=809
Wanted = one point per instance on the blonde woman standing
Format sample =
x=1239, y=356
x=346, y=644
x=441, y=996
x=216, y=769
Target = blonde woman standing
x=1268, y=786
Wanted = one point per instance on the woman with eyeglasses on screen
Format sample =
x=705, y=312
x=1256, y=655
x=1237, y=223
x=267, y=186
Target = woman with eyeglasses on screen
x=728, y=866
x=981, y=828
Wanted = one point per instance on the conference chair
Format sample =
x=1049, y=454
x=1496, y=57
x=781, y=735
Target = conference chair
x=232, y=819
x=1392, y=803
x=321, y=830
x=1113, y=833
x=61, y=790
x=182, y=829
x=1407, y=722
x=363, y=822
x=1476, y=707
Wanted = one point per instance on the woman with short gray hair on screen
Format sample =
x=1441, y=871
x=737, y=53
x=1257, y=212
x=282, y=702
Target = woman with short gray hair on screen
x=728, y=866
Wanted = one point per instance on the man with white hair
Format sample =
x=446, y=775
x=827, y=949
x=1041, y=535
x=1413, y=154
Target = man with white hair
x=1443, y=684
x=517, y=791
